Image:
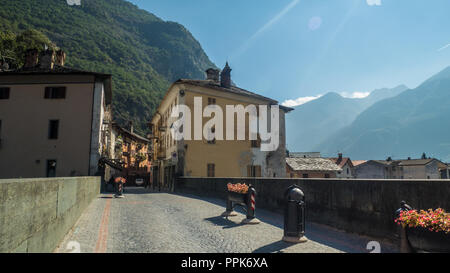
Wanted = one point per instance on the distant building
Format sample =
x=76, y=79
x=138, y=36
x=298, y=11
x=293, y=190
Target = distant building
x=54, y=120
x=298, y=167
x=430, y=168
x=345, y=164
x=133, y=153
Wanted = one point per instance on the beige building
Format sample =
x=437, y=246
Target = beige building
x=54, y=120
x=215, y=158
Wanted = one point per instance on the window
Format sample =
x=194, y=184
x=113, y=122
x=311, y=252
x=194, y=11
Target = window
x=51, y=168
x=55, y=93
x=347, y=171
x=4, y=93
x=256, y=143
x=53, y=129
x=327, y=175
x=211, y=101
x=254, y=171
x=213, y=141
x=0, y=133
x=211, y=170
x=305, y=175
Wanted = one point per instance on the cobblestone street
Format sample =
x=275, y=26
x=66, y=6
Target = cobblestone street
x=153, y=222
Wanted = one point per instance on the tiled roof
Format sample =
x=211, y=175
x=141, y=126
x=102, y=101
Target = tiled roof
x=55, y=70
x=343, y=161
x=232, y=89
x=133, y=135
x=358, y=162
x=312, y=164
x=409, y=162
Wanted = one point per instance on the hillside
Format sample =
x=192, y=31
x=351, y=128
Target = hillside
x=409, y=124
x=142, y=52
x=313, y=122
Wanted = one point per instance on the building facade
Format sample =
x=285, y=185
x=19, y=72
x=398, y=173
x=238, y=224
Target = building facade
x=345, y=164
x=132, y=152
x=216, y=157
x=426, y=168
x=54, y=120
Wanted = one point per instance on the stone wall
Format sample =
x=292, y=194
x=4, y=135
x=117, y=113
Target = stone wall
x=362, y=206
x=36, y=213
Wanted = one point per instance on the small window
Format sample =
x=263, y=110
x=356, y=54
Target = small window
x=51, y=168
x=211, y=101
x=347, y=171
x=213, y=141
x=305, y=175
x=53, y=127
x=55, y=93
x=327, y=175
x=4, y=93
x=211, y=170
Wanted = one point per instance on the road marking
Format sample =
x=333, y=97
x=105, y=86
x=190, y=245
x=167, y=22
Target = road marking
x=100, y=246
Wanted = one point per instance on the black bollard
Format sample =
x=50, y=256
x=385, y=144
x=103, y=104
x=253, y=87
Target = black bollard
x=294, y=215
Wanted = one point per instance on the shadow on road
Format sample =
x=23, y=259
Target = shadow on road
x=275, y=247
x=223, y=222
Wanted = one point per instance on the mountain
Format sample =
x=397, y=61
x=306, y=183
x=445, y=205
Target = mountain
x=142, y=52
x=409, y=124
x=313, y=122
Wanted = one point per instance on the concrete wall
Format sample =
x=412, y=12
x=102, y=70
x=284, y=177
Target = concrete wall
x=356, y=205
x=36, y=213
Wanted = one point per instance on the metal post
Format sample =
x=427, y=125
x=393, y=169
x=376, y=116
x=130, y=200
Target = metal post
x=251, y=203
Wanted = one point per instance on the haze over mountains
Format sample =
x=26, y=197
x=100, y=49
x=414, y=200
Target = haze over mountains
x=313, y=122
x=406, y=125
x=415, y=121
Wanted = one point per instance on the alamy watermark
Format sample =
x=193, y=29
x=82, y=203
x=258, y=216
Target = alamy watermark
x=74, y=2
x=260, y=120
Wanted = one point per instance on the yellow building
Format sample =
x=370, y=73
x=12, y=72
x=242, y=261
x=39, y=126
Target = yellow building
x=215, y=158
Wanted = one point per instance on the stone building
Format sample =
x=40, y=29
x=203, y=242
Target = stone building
x=425, y=168
x=345, y=164
x=54, y=120
x=298, y=167
x=218, y=157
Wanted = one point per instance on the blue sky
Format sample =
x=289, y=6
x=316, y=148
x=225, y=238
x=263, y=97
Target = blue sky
x=290, y=49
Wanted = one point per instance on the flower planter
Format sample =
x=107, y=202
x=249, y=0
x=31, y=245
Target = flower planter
x=421, y=239
x=244, y=199
x=236, y=197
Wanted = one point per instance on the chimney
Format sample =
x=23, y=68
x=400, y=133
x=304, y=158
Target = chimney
x=130, y=125
x=31, y=58
x=47, y=59
x=225, y=77
x=60, y=58
x=212, y=74
x=339, y=158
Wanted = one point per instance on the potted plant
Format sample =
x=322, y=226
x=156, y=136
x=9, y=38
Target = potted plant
x=237, y=193
x=426, y=230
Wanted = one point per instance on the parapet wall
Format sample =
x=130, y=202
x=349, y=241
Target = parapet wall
x=362, y=206
x=36, y=213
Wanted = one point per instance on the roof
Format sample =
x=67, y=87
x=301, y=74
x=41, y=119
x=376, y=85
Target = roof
x=344, y=160
x=63, y=70
x=311, y=164
x=304, y=154
x=358, y=162
x=57, y=69
x=232, y=89
x=411, y=162
x=132, y=135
